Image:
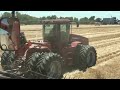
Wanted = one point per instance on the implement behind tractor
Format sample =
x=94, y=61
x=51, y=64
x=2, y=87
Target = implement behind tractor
x=47, y=59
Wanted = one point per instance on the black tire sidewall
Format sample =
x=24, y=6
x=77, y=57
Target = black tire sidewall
x=82, y=59
x=53, y=57
x=6, y=58
x=42, y=63
x=93, y=61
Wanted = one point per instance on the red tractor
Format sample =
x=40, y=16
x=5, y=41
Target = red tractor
x=59, y=49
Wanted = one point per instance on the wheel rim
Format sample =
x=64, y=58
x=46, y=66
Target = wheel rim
x=54, y=70
x=90, y=58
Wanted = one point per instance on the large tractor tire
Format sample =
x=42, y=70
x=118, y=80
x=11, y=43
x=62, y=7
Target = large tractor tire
x=86, y=56
x=30, y=65
x=7, y=60
x=45, y=65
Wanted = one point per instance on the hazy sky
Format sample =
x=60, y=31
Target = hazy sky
x=79, y=14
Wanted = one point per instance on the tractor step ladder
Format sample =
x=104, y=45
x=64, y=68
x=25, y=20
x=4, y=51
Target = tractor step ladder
x=70, y=57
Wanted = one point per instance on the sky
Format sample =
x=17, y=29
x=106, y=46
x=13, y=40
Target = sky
x=78, y=14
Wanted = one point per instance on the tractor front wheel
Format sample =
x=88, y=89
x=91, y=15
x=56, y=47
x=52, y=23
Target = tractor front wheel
x=52, y=65
x=7, y=60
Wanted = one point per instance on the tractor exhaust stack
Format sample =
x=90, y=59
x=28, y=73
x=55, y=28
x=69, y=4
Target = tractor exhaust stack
x=13, y=13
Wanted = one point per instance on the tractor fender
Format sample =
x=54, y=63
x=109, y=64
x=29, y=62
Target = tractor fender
x=32, y=50
x=82, y=39
x=75, y=43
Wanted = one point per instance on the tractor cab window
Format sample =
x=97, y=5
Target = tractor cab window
x=64, y=32
x=49, y=28
x=49, y=32
x=63, y=28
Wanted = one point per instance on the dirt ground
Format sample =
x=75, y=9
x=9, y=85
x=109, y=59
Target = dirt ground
x=105, y=39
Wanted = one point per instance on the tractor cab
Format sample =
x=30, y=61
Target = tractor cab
x=57, y=32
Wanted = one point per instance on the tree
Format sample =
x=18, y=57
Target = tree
x=71, y=18
x=43, y=18
x=61, y=17
x=53, y=17
x=84, y=20
x=18, y=14
x=48, y=17
x=98, y=20
x=27, y=19
x=6, y=14
x=92, y=18
x=75, y=19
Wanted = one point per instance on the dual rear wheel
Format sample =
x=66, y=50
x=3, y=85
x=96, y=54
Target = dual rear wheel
x=47, y=65
x=86, y=56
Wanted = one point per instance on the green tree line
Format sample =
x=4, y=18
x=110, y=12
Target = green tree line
x=27, y=19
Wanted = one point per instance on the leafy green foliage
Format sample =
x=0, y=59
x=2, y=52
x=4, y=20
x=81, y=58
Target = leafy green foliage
x=98, y=20
x=27, y=19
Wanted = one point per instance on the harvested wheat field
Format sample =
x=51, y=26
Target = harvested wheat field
x=106, y=40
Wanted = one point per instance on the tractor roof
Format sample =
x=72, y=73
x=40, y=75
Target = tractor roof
x=53, y=21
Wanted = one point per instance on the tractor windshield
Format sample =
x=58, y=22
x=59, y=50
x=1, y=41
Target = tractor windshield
x=49, y=28
x=49, y=31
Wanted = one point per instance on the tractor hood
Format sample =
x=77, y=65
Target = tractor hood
x=79, y=38
x=39, y=44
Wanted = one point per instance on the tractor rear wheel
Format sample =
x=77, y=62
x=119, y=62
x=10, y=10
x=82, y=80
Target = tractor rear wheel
x=86, y=56
x=30, y=65
x=48, y=65
x=52, y=65
x=7, y=60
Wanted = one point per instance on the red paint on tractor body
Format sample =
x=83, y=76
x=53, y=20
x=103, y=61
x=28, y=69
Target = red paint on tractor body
x=78, y=38
x=75, y=43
